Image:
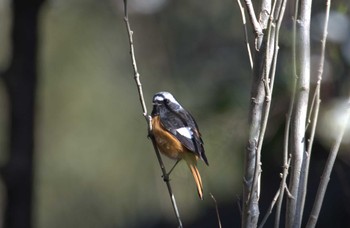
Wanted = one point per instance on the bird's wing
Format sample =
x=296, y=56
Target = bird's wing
x=182, y=125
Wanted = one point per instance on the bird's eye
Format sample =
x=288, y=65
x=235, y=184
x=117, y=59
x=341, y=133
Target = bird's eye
x=166, y=101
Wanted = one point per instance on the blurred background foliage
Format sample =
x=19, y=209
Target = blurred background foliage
x=95, y=166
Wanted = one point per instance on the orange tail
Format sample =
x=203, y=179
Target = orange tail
x=192, y=164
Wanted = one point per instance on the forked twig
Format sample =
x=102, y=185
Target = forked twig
x=279, y=194
x=145, y=114
x=256, y=25
x=283, y=187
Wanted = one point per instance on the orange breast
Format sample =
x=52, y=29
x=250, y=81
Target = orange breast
x=168, y=144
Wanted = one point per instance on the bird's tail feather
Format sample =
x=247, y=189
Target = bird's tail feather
x=192, y=164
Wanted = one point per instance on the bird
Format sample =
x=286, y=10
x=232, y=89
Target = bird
x=177, y=135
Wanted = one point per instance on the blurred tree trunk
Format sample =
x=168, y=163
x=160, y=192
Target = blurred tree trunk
x=20, y=81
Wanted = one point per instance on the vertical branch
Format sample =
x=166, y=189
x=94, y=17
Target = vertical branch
x=271, y=55
x=20, y=81
x=250, y=208
x=316, y=99
x=298, y=122
x=145, y=114
x=250, y=213
x=258, y=114
x=133, y=61
x=323, y=184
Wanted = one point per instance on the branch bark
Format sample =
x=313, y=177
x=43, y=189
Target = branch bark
x=266, y=53
x=298, y=122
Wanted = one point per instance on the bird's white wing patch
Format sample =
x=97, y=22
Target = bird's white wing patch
x=185, y=131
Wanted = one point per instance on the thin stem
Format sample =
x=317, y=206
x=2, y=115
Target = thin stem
x=289, y=211
x=256, y=26
x=241, y=8
x=167, y=181
x=317, y=205
x=269, y=211
x=269, y=70
x=283, y=187
x=133, y=60
x=144, y=109
x=217, y=210
x=321, y=191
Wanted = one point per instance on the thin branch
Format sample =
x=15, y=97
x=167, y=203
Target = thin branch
x=269, y=211
x=278, y=13
x=217, y=210
x=310, y=144
x=291, y=204
x=246, y=33
x=288, y=193
x=145, y=114
x=312, y=107
x=316, y=98
x=256, y=25
x=289, y=116
x=283, y=187
x=133, y=60
x=327, y=172
x=166, y=180
x=317, y=205
x=315, y=105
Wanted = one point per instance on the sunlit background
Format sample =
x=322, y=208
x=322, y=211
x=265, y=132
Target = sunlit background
x=95, y=166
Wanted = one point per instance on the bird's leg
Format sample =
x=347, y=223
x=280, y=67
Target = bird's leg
x=166, y=177
x=173, y=167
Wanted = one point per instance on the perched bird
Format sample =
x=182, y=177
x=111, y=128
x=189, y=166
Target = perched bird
x=177, y=135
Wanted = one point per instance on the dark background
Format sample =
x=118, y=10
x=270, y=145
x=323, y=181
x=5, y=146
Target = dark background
x=73, y=145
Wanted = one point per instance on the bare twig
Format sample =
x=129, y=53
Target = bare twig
x=145, y=114
x=327, y=172
x=283, y=187
x=316, y=98
x=277, y=14
x=256, y=25
x=133, y=61
x=217, y=210
x=241, y=8
x=269, y=211
x=289, y=213
x=323, y=184
x=285, y=156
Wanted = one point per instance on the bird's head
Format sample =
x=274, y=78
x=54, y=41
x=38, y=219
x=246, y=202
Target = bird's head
x=164, y=100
